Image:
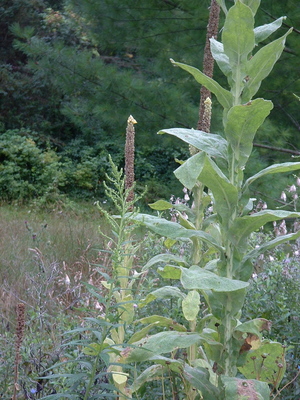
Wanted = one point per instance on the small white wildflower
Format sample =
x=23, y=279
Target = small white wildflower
x=298, y=181
x=185, y=216
x=271, y=258
x=186, y=197
x=184, y=190
x=295, y=196
x=264, y=206
x=283, y=196
x=67, y=280
x=292, y=188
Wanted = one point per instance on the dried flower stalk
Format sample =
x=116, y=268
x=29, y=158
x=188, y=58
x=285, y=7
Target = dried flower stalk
x=129, y=157
x=208, y=64
x=19, y=340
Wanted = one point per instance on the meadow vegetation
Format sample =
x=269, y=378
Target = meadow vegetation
x=195, y=299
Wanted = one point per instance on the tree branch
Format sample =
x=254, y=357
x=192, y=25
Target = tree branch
x=264, y=146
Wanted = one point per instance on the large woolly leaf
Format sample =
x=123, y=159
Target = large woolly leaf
x=261, y=64
x=213, y=145
x=245, y=389
x=199, y=278
x=160, y=343
x=238, y=35
x=217, y=51
x=154, y=321
x=164, y=292
x=201, y=167
x=243, y=226
x=253, y=4
x=199, y=379
x=164, y=258
x=253, y=254
x=173, y=230
x=149, y=374
x=273, y=169
x=263, y=32
x=242, y=124
x=224, y=96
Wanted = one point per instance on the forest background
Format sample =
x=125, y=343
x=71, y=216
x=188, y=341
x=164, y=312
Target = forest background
x=71, y=72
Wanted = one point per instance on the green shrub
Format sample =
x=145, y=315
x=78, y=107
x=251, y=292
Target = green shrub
x=26, y=171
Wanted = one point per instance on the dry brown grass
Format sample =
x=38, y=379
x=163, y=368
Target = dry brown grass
x=45, y=257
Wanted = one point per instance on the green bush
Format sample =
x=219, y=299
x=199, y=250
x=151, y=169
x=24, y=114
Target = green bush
x=26, y=171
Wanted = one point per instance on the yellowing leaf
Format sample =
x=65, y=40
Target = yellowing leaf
x=190, y=305
x=119, y=378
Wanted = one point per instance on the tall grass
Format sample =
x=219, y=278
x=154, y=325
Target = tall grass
x=55, y=250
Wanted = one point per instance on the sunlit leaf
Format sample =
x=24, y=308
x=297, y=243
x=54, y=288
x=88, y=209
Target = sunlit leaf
x=242, y=227
x=273, y=169
x=224, y=96
x=199, y=278
x=264, y=31
x=214, y=145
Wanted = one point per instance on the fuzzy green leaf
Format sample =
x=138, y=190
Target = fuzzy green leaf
x=243, y=226
x=169, y=272
x=154, y=321
x=174, y=230
x=163, y=321
x=242, y=124
x=270, y=245
x=164, y=258
x=213, y=145
x=149, y=374
x=201, y=167
x=199, y=378
x=160, y=343
x=238, y=35
x=217, y=51
x=199, y=278
x=161, y=205
x=252, y=4
x=261, y=64
x=224, y=96
x=273, y=169
x=163, y=293
x=263, y=32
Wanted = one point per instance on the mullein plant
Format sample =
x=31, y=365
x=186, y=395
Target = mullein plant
x=225, y=358
x=97, y=372
x=120, y=284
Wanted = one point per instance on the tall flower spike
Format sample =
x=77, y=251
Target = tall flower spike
x=208, y=63
x=206, y=117
x=129, y=157
x=19, y=340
